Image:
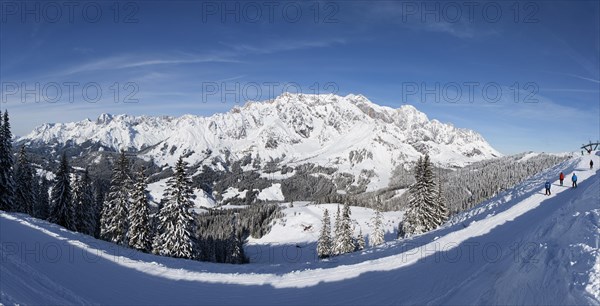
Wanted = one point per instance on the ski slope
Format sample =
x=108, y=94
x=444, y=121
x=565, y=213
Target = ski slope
x=521, y=247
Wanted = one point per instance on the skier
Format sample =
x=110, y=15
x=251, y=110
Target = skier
x=561, y=177
x=574, y=179
x=547, y=185
x=591, y=164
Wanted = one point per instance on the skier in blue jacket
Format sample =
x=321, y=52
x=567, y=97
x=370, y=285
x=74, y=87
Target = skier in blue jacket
x=547, y=185
x=574, y=179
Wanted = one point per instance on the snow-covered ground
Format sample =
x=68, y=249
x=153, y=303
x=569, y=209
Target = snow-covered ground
x=293, y=238
x=521, y=247
x=272, y=193
x=201, y=198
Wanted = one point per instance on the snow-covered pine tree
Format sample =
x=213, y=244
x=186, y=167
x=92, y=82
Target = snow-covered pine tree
x=85, y=208
x=401, y=233
x=35, y=190
x=360, y=241
x=337, y=236
x=377, y=236
x=441, y=206
x=429, y=191
x=99, y=203
x=345, y=242
x=24, y=178
x=62, y=211
x=324, y=244
x=139, y=216
x=76, y=197
x=235, y=247
x=409, y=224
x=42, y=205
x=175, y=220
x=114, y=223
x=237, y=250
x=7, y=184
x=421, y=214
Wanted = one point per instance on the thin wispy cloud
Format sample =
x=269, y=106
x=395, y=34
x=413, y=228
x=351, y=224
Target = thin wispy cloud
x=450, y=28
x=237, y=77
x=587, y=63
x=569, y=90
x=540, y=108
x=130, y=61
x=282, y=46
x=433, y=21
x=583, y=78
x=232, y=54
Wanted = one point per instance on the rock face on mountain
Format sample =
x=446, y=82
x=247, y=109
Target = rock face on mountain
x=350, y=135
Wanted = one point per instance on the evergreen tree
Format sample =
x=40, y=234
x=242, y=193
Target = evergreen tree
x=337, y=236
x=324, y=245
x=114, y=223
x=7, y=184
x=401, y=228
x=24, y=179
x=421, y=215
x=35, y=191
x=441, y=206
x=98, y=202
x=360, y=242
x=408, y=226
x=377, y=236
x=411, y=224
x=62, y=211
x=139, y=219
x=344, y=241
x=83, y=201
x=235, y=247
x=429, y=196
x=42, y=206
x=175, y=220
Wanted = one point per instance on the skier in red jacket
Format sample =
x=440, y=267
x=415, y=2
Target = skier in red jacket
x=561, y=177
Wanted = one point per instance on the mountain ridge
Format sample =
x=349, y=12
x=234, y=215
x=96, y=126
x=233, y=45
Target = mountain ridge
x=349, y=133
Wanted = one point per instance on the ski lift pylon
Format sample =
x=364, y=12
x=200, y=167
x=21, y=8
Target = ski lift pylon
x=592, y=146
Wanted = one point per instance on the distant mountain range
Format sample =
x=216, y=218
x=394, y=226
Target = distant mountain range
x=350, y=134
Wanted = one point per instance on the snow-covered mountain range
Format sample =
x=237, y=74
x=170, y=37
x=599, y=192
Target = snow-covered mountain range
x=351, y=134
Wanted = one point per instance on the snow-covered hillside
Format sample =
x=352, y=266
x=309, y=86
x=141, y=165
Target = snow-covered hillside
x=521, y=247
x=293, y=238
x=349, y=133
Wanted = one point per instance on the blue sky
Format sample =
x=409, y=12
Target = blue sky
x=163, y=56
